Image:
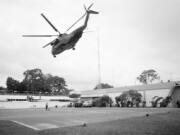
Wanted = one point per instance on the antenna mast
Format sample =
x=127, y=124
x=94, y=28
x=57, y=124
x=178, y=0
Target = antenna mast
x=99, y=65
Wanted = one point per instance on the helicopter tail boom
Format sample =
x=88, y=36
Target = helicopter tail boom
x=88, y=11
x=92, y=12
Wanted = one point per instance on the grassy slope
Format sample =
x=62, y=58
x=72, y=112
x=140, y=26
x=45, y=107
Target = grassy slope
x=160, y=124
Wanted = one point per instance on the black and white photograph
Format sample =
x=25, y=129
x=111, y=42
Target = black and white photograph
x=89, y=67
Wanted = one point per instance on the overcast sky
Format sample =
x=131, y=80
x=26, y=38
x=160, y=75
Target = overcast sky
x=134, y=35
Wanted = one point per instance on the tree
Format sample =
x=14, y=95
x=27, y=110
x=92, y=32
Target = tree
x=148, y=76
x=129, y=98
x=103, y=86
x=155, y=102
x=2, y=88
x=165, y=101
x=103, y=101
x=122, y=99
x=34, y=80
x=22, y=87
x=74, y=95
x=135, y=97
x=12, y=84
x=118, y=100
x=56, y=85
x=106, y=100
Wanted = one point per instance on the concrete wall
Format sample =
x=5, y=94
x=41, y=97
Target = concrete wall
x=26, y=104
x=149, y=94
x=4, y=104
x=175, y=96
x=5, y=97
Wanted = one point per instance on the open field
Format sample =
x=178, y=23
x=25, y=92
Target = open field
x=98, y=121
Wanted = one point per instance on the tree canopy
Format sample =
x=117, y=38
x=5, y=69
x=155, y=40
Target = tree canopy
x=103, y=101
x=57, y=85
x=74, y=95
x=12, y=84
x=2, y=88
x=36, y=82
x=103, y=86
x=148, y=76
x=127, y=98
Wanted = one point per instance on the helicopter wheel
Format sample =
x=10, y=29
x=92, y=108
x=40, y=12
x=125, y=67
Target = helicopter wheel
x=73, y=48
x=54, y=56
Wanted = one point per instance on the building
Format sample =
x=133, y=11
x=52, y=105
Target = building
x=148, y=92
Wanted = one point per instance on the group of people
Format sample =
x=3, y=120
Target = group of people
x=47, y=107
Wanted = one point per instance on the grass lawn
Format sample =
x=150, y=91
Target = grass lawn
x=10, y=128
x=159, y=124
x=155, y=124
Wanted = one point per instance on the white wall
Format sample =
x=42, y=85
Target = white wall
x=26, y=104
x=175, y=96
x=5, y=97
x=149, y=94
x=4, y=104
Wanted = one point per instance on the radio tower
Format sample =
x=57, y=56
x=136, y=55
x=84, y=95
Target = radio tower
x=99, y=65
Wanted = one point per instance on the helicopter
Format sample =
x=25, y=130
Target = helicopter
x=66, y=41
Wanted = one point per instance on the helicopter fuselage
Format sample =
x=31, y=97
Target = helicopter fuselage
x=66, y=41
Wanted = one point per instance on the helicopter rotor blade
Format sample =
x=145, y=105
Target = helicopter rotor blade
x=50, y=23
x=49, y=43
x=90, y=6
x=80, y=17
x=39, y=35
x=75, y=22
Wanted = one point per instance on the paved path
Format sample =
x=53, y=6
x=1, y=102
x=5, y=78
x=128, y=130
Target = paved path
x=39, y=119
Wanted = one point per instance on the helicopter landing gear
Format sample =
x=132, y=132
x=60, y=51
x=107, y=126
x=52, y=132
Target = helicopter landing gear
x=54, y=56
x=73, y=48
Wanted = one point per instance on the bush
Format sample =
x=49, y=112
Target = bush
x=103, y=101
x=129, y=99
x=178, y=103
x=165, y=101
x=78, y=104
x=74, y=95
x=70, y=105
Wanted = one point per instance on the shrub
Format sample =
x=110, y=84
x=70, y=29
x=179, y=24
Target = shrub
x=103, y=101
x=78, y=104
x=129, y=98
x=165, y=101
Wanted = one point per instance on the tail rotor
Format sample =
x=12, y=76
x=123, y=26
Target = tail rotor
x=88, y=11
